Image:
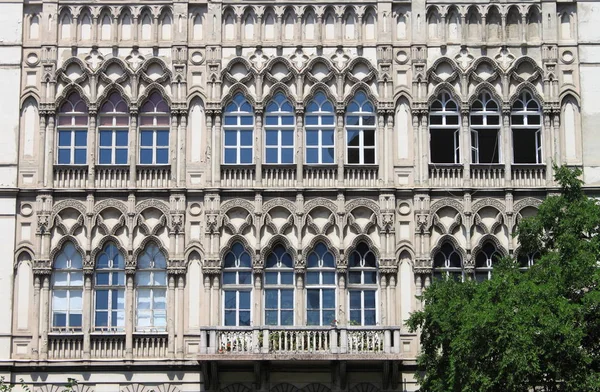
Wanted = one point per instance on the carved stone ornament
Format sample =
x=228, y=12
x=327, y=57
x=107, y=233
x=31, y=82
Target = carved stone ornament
x=211, y=266
x=421, y=222
x=259, y=59
x=43, y=223
x=177, y=267
x=135, y=59
x=177, y=222
x=94, y=59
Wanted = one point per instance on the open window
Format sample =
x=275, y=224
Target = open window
x=444, y=129
x=485, y=130
x=526, y=127
x=447, y=263
x=484, y=261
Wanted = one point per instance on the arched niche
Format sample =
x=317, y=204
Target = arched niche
x=197, y=121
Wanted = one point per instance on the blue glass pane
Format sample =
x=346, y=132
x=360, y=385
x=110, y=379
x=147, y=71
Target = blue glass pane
x=105, y=138
x=312, y=278
x=272, y=107
x=237, y=249
x=368, y=107
x=230, y=155
x=162, y=156
x=271, y=155
x=369, y=317
x=64, y=156
x=327, y=107
x=355, y=316
x=146, y=156
x=287, y=155
x=245, y=318
x=102, y=278
x=368, y=120
x=328, y=120
x=370, y=277
x=328, y=299
x=328, y=260
x=146, y=138
x=287, y=299
x=102, y=299
x=369, y=299
x=312, y=317
x=162, y=138
x=320, y=248
x=232, y=107
x=271, y=138
x=230, y=138
x=271, y=317
x=287, y=138
x=311, y=120
x=328, y=277
x=354, y=277
x=230, y=120
x=312, y=155
x=75, y=320
x=246, y=107
x=353, y=138
x=101, y=319
x=312, y=138
x=230, y=300
x=246, y=138
x=327, y=136
x=81, y=138
x=244, y=299
x=328, y=317
x=312, y=107
x=122, y=138
x=245, y=260
x=352, y=120
x=80, y=156
x=121, y=156
x=353, y=107
x=271, y=278
x=104, y=156
x=287, y=317
x=230, y=317
x=355, y=300
x=287, y=120
x=246, y=156
x=271, y=120
x=247, y=120
x=245, y=277
x=229, y=260
x=287, y=278
x=229, y=277
x=271, y=299
x=328, y=155
x=59, y=320
x=287, y=107
x=312, y=299
x=313, y=260
x=64, y=138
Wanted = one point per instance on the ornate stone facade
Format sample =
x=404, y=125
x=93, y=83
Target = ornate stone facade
x=191, y=141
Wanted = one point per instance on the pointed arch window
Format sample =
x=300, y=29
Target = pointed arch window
x=113, y=131
x=309, y=25
x=126, y=26
x=288, y=26
x=320, y=131
x=67, y=290
x=279, y=287
x=526, y=126
x=72, y=131
x=485, y=130
x=279, y=131
x=198, y=25
x=237, y=286
x=269, y=25
x=105, y=27
x=320, y=286
x=444, y=128
x=109, y=281
x=447, y=262
x=484, y=261
x=86, y=26
x=65, y=25
x=360, y=131
x=151, y=290
x=527, y=260
x=166, y=26
x=329, y=25
x=362, y=285
x=154, y=131
x=238, y=128
x=146, y=27
x=34, y=27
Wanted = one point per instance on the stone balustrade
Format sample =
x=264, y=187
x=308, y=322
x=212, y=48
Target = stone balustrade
x=153, y=177
x=528, y=176
x=238, y=176
x=70, y=177
x=361, y=177
x=487, y=176
x=320, y=176
x=446, y=176
x=112, y=177
x=279, y=176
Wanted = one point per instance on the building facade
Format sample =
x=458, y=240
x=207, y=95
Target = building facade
x=250, y=196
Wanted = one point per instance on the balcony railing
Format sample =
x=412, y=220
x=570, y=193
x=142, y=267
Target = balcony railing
x=279, y=176
x=112, y=177
x=107, y=346
x=320, y=176
x=528, y=176
x=238, y=176
x=361, y=177
x=445, y=176
x=70, y=177
x=487, y=175
x=153, y=176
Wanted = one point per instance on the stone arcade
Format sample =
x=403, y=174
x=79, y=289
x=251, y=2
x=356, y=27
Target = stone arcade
x=248, y=196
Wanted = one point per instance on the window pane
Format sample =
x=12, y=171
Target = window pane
x=59, y=299
x=271, y=317
x=355, y=300
x=328, y=277
x=230, y=155
x=354, y=277
x=245, y=318
x=355, y=316
x=287, y=317
x=271, y=155
x=312, y=317
x=271, y=299
x=105, y=138
x=244, y=299
x=287, y=278
x=287, y=155
x=64, y=138
x=287, y=138
x=246, y=138
x=59, y=319
x=146, y=138
x=312, y=278
x=230, y=138
x=121, y=156
x=162, y=156
x=247, y=120
x=76, y=301
x=245, y=277
x=230, y=120
x=328, y=298
x=145, y=156
x=246, y=156
x=312, y=138
x=105, y=156
x=328, y=155
x=230, y=317
x=312, y=299
x=64, y=156
x=75, y=320
x=312, y=155
x=353, y=138
x=287, y=299
x=121, y=138
x=101, y=319
x=328, y=317
x=369, y=155
x=81, y=138
x=369, y=299
x=230, y=300
x=352, y=120
x=162, y=138
x=353, y=155
x=271, y=278
x=271, y=138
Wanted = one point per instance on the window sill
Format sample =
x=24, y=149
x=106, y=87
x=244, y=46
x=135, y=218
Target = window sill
x=238, y=165
x=446, y=164
x=321, y=165
x=65, y=333
x=486, y=165
x=153, y=166
x=112, y=166
x=361, y=166
x=69, y=166
x=528, y=165
x=279, y=165
x=111, y=332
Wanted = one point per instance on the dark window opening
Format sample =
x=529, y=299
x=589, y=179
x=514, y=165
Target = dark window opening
x=485, y=146
x=526, y=146
x=444, y=146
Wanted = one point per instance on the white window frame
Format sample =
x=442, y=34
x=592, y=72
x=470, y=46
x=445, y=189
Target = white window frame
x=152, y=288
x=68, y=289
x=361, y=128
x=113, y=147
x=322, y=286
x=485, y=99
x=319, y=114
x=444, y=98
x=237, y=287
x=279, y=269
x=238, y=114
x=280, y=128
x=362, y=308
x=447, y=270
x=525, y=98
x=154, y=146
x=110, y=287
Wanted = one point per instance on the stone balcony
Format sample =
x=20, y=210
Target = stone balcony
x=241, y=343
x=487, y=176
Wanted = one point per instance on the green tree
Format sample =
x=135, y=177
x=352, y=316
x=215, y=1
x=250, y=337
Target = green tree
x=537, y=330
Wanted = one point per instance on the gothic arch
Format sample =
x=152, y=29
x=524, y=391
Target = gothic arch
x=68, y=90
x=325, y=240
x=316, y=88
x=449, y=238
x=112, y=88
x=279, y=87
x=29, y=94
x=106, y=239
x=528, y=87
x=363, y=238
x=279, y=202
x=60, y=245
x=110, y=203
x=361, y=86
x=64, y=204
x=151, y=88
x=488, y=88
x=489, y=238
x=150, y=239
x=237, y=203
x=278, y=239
x=236, y=88
x=444, y=87
x=227, y=247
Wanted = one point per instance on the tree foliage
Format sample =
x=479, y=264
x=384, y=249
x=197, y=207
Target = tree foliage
x=534, y=330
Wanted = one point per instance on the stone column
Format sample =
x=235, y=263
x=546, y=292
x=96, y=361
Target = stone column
x=35, y=326
x=180, y=311
x=133, y=148
x=466, y=146
x=392, y=318
x=299, y=156
x=380, y=148
x=91, y=153
x=182, y=150
x=129, y=312
x=215, y=299
x=390, y=137
x=50, y=131
x=171, y=314
x=425, y=146
x=173, y=148
x=342, y=294
x=45, y=302
x=417, y=146
x=258, y=310
x=41, y=149
x=340, y=145
x=217, y=149
x=547, y=146
x=299, y=298
x=383, y=300
x=258, y=144
x=88, y=310
x=506, y=146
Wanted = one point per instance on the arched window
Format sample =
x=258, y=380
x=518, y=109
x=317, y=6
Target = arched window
x=444, y=128
x=229, y=30
x=109, y=281
x=166, y=26
x=105, y=27
x=86, y=26
x=526, y=126
x=534, y=20
x=360, y=131
x=198, y=26
x=249, y=26
x=453, y=21
x=320, y=286
x=494, y=25
x=565, y=25
x=151, y=290
x=288, y=26
x=401, y=26
x=362, y=286
x=513, y=21
x=238, y=128
x=527, y=260
x=473, y=21
x=126, y=26
x=485, y=130
x=65, y=25
x=484, y=261
x=309, y=25
x=329, y=26
x=113, y=131
x=154, y=131
x=279, y=287
x=34, y=27
x=237, y=286
x=447, y=263
x=370, y=27
x=279, y=131
x=433, y=24
x=146, y=27
x=72, y=131
x=350, y=26
x=320, y=130
x=269, y=25
x=67, y=290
